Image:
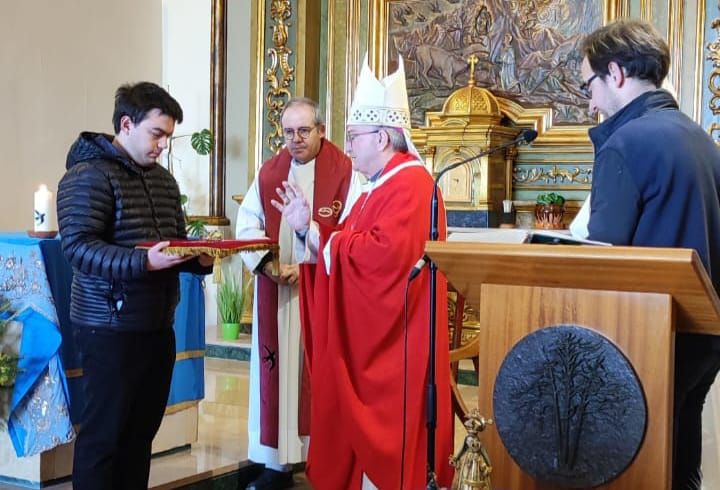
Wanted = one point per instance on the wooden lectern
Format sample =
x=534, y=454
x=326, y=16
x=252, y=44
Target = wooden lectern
x=636, y=297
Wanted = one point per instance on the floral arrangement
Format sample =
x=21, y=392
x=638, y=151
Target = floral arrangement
x=8, y=362
x=8, y=366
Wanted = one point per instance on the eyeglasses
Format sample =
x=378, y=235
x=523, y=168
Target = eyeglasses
x=585, y=87
x=304, y=133
x=351, y=137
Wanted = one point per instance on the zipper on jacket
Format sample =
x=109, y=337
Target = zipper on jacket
x=151, y=203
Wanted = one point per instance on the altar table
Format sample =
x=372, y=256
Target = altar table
x=47, y=398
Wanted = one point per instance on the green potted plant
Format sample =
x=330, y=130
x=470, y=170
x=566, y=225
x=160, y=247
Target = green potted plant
x=202, y=142
x=549, y=211
x=196, y=227
x=230, y=301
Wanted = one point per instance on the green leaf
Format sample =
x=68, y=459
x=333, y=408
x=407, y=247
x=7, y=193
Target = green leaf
x=196, y=228
x=550, y=198
x=183, y=199
x=202, y=141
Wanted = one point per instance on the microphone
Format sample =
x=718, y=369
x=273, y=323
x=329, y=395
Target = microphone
x=417, y=267
x=527, y=136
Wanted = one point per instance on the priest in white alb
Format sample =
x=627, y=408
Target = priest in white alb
x=279, y=417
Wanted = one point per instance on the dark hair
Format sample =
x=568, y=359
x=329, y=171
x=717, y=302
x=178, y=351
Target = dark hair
x=304, y=101
x=635, y=45
x=137, y=100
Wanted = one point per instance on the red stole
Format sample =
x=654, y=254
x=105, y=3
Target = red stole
x=333, y=172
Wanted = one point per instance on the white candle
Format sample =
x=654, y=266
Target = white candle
x=44, y=210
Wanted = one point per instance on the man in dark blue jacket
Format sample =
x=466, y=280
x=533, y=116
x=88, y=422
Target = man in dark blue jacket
x=656, y=183
x=113, y=196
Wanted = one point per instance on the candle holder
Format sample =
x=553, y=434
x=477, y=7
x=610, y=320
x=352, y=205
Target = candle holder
x=507, y=219
x=42, y=234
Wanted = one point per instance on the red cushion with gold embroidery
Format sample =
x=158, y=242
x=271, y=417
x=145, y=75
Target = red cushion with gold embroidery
x=236, y=245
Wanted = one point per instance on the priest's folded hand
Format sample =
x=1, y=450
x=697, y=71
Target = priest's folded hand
x=289, y=274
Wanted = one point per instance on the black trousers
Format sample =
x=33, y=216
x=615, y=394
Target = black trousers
x=126, y=381
x=697, y=361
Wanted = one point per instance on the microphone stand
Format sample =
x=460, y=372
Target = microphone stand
x=526, y=136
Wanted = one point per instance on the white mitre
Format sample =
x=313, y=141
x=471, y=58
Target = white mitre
x=382, y=102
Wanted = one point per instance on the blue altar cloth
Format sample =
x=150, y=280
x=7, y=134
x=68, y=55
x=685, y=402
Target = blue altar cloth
x=47, y=397
x=39, y=407
x=188, y=381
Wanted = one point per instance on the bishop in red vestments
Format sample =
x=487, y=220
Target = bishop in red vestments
x=368, y=346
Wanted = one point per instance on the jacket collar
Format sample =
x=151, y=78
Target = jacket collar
x=654, y=100
x=97, y=146
x=119, y=155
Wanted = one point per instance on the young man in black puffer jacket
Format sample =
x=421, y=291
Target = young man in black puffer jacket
x=113, y=196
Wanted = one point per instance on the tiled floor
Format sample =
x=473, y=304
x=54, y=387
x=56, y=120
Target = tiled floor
x=221, y=444
x=222, y=426
x=222, y=437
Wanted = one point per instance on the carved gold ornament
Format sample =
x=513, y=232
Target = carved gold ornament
x=552, y=175
x=279, y=92
x=714, y=79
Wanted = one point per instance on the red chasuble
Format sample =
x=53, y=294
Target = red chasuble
x=333, y=172
x=359, y=344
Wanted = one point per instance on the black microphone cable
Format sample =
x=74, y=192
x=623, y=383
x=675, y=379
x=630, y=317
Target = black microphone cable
x=414, y=272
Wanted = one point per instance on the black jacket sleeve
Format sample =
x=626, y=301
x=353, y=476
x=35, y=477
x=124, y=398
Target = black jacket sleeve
x=85, y=205
x=615, y=202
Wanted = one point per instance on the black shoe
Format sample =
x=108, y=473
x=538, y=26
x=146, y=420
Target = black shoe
x=248, y=473
x=272, y=480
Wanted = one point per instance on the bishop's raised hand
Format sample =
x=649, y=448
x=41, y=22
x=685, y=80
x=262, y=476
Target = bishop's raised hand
x=293, y=206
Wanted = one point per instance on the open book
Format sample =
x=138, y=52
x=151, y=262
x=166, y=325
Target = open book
x=517, y=235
